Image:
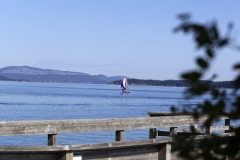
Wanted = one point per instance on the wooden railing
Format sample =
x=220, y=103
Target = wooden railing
x=153, y=133
x=149, y=148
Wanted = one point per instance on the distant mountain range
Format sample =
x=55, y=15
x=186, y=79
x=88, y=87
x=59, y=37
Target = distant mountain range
x=25, y=73
x=30, y=74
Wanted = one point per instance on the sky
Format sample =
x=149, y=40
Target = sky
x=132, y=38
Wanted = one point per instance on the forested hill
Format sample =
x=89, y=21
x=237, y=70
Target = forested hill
x=2, y=78
x=172, y=83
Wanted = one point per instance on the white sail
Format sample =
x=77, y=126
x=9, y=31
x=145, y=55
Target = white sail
x=124, y=85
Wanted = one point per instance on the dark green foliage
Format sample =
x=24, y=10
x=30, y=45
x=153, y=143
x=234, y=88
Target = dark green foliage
x=2, y=78
x=210, y=53
x=202, y=63
x=192, y=76
x=208, y=39
x=236, y=66
x=199, y=88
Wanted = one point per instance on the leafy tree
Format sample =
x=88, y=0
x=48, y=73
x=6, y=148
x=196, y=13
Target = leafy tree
x=208, y=39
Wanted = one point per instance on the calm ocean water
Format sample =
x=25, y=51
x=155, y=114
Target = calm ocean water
x=53, y=101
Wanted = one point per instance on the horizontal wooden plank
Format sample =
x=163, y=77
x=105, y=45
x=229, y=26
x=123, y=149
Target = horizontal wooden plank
x=121, y=144
x=167, y=133
x=97, y=146
x=201, y=137
x=33, y=149
x=220, y=128
x=133, y=153
x=92, y=125
x=199, y=131
x=160, y=114
x=37, y=156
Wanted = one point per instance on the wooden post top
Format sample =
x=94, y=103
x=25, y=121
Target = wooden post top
x=155, y=114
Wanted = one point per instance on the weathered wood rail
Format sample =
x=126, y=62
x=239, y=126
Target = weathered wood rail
x=149, y=148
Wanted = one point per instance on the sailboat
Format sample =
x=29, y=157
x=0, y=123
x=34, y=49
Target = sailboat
x=124, y=86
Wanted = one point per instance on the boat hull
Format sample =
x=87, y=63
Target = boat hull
x=127, y=91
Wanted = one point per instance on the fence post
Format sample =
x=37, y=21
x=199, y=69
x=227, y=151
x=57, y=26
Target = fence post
x=152, y=133
x=164, y=152
x=227, y=123
x=209, y=129
x=173, y=131
x=65, y=156
x=52, y=139
x=119, y=135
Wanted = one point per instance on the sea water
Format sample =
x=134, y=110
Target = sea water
x=62, y=101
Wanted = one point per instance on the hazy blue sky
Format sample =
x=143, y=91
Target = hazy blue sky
x=132, y=38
